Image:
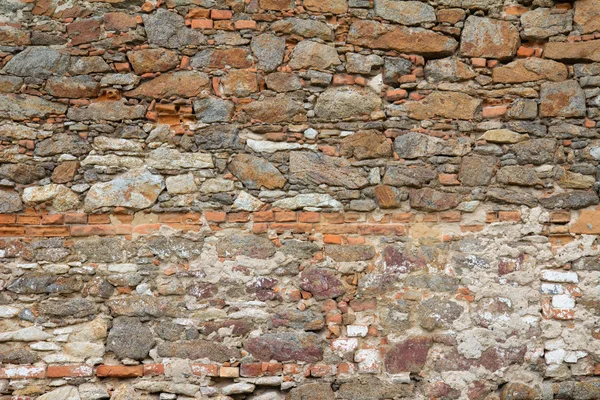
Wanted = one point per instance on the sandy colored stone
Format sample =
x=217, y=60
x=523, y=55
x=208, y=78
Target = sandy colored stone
x=453, y=105
x=489, y=38
x=332, y=6
x=531, y=69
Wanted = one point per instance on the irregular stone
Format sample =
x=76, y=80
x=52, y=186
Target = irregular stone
x=276, y=5
x=38, y=62
x=22, y=106
x=63, y=392
x=10, y=36
x=587, y=16
x=573, y=180
x=405, y=12
x=503, y=136
x=135, y=189
x=222, y=58
x=308, y=200
x=587, y=51
x=101, y=249
x=313, y=55
x=365, y=145
x=415, y=145
x=217, y=185
x=73, y=88
x=213, y=109
x=332, y=6
x=449, y=69
x=143, y=306
x=120, y=80
x=10, y=84
x=165, y=158
x=349, y=253
x=299, y=249
x=535, y=151
x=180, y=84
x=107, y=111
x=417, y=176
x=562, y=99
x=573, y=200
x=307, y=28
x=346, y=102
x=322, y=283
x=239, y=83
x=286, y=346
x=62, y=143
x=438, y=104
x=543, y=23
x=489, y=38
x=16, y=355
x=104, y=143
x=408, y=356
x=88, y=65
x=437, y=313
x=218, y=137
x=167, y=247
x=152, y=60
x=198, y=349
x=181, y=184
x=394, y=68
x=283, y=82
x=63, y=198
x=530, y=69
x=432, y=200
x=511, y=197
x=167, y=29
x=281, y=108
x=269, y=50
x=247, y=202
x=477, y=170
x=419, y=41
x=359, y=64
x=39, y=283
x=317, y=168
x=237, y=388
x=22, y=173
x=517, y=390
x=256, y=172
x=252, y=246
x=518, y=175
x=76, y=308
x=388, y=197
x=10, y=201
x=312, y=391
x=123, y=392
x=129, y=338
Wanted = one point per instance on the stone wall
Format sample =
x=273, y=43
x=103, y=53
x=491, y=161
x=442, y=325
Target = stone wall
x=299, y=199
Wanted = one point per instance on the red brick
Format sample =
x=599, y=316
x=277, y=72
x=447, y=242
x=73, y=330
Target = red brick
x=22, y=372
x=471, y=228
x=238, y=217
x=120, y=371
x=478, y=62
x=339, y=229
x=263, y=216
x=202, y=24
x=245, y=24
x=494, y=112
x=332, y=239
x=61, y=371
x=260, y=228
x=205, y=369
x=28, y=219
x=170, y=218
x=75, y=218
x=87, y=230
x=196, y=13
x=53, y=219
x=309, y=217
x=396, y=94
x=12, y=231
x=356, y=240
x=215, y=216
x=221, y=14
x=98, y=219
x=154, y=369
x=47, y=231
x=321, y=370
x=7, y=218
x=285, y=216
x=293, y=227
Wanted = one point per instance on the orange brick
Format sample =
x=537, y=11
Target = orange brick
x=221, y=14
x=321, y=370
x=356, y=240
x=343, y=79
x=202, y=24
x=225, y=25
x=382, y=230
x=333, y=218
x=292, y=369
x=494, y=111
x=154, y=369
x=471, y=228
x=448, y=179
x=450, y=216
x=75, y=218
x=98, y=219
x=478, y=62
x=309, y=217
x=12, y=231
x=560, y=217
x=120, y=371
x=215, y=216
x=192, y=218
x=22, y=372
x=146, y=229
x=28, y=219
x=263, y=216
x=198, y=13
x=61, y=371
x=171, y=218
x=260, y=228
x=285, y=216
x=396, y=94
x=332, y=239
x=87, y=230
x=403, y=217
x=8, y=218
x=53, y=219
x=238, y=217
x=205, y=369
x=509, y=216
x=47, y=231
x=525, y=51
x=281, y=227
x=245, y=24
x=338, y=229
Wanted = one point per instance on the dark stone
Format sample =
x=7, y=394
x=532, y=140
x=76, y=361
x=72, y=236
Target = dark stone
x=10, y=354
x=168, y=330
x=248, y=245
x=432, y=200
x=38, y=283
x=322, y=283
x=62, y=143
x=100, y=249
x=408, y=356
x=477, y=170
x=299, y=249
x=437, y=313
x=535, y=151
x=22, y=173
x=312, y=391
x=317, y=168
x=68, y=308
x=286, y=346
x=129, y=338
x=397, y=175
x=348, y=253
x=574, y=200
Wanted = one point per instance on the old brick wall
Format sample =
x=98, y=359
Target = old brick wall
x=299, y=199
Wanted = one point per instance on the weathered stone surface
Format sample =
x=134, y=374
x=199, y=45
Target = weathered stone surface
x=63, y=392
x=37, y=283
x=21, y=106
x=135, y=189
x=333, y=6
x=63, y=198
x=22, y=173
x=349, y=253
x=375, y=35
x=530, y=69
x=104, y=250
x=308, y=200
x=562, y=99
x=511, y=197
x=10, y=36
x=449, y=69
x=222, y=58
x=415, y=145
x=588, y=51
x=453, y=105
x=322, y=283
x=308, y=54
x=587, y=16
x=394, y=68
x=252, y=246
x=575, y=200
x=68, y=308
x=281, y=108
x=129, y=338
x=88, y=65
x=317, y=168
x=477, y=170
x=107, y=111
x=405, y=12
x=38, y=62
x=437, y=313
x=535, y=151
x=239, y=83
x=62, y=143
x=489, y=38
x=286, y=346
x=269, y=50
x=371, y=388
x=213, y=109
x=198, y=349
x=312, y=391
x=180, y=83
x=152, y=60
x=366, y=144
x=543, y=23
x=417, y=176
x=432, y=200
x=165, y=158
x=167, y=29
x=256, y=172
x=307, y=28
x=518, y=175
x=73, y=88
x=408, y=356
x=10, y=201
x=346, y=102
x=283, y=82
x=359, y=64
x=277, y=5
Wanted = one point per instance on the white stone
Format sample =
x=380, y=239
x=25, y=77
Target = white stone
x=310, y=133
x=164, y=158
x=369, y=361
x=247, y=202
x=237, y=388
x=8, y=311
x=552, y=288
x=93, y=391
x=56, y=268
x=62, y=393
x=357, y=330
x=261, y=146
x=560, y=276
x=112, y=160
x=308, y=200
x=122, y=268
x=344, y=345
x=269, y=381
x=104, y=143
x=555, y=356
x=217, y=185
x=563, y=301
x=573, y=356
x=595, y=152
x=45, y=346
x=30, y=334
x=181, y=184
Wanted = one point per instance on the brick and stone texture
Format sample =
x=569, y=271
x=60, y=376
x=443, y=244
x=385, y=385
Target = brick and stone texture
x=299, y=199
